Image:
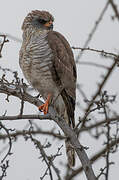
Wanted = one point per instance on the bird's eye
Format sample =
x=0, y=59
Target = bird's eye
x=42, y=21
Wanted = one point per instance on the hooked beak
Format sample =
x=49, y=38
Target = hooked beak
x=49, y=25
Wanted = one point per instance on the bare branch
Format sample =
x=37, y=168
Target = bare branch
x=98, y=91
x=10, y=141
x=4, y=88
x=34, y=132
x=99, y=124
x=108, y=143
x=14, y=38
x=114, y=7
x=93, y=30
x=26, y=117
x=4, y=168
x=2, y=44
x=102, y=52
x=94, y=158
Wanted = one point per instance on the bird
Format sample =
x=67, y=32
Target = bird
x=47, y=62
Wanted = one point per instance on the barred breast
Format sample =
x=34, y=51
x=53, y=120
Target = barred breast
x=36, y=63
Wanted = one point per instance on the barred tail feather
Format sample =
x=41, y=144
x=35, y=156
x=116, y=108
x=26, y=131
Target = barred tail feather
x=70, y=154
x=69, y=149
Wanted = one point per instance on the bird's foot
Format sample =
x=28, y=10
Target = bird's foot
x=44, y=107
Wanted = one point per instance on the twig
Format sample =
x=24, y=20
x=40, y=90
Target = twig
x=26, y=117
x=2, y=44
x=93, y=30
x=104, y=53
x=102, y=170
x=48, y=160
x=14, y=38
x=98, y=124
x=10, y=142
x=98, y=91
x=4, y=168
x=69, y=133
x=34, y=132
x=108, y=142
x=93, y=159
x=14, y=90
x=114, y=7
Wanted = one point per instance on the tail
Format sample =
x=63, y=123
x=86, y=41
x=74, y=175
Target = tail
x=69, y=149
x=70, y=154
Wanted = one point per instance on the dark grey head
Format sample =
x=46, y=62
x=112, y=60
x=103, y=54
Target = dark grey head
x=39, y=19
x=41, y=23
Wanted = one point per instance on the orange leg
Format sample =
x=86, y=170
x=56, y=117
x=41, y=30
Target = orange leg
x=44, y=107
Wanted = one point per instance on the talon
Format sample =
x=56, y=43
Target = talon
x=44, y=107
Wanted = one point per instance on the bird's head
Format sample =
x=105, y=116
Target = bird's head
x=38, y=19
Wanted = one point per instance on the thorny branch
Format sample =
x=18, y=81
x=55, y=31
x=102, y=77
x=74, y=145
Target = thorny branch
x=90, y=36
x=111, y=142
x=51, y=133
x=102, y=170
x=114, y=7
x=108, y=141
x=4, y=165
x=47, y=159
x=100, y=86
x=16, y=134
x=4, y=168
x=10, y=141
x=2, y=44
x=102, y=52
x=13, y=88
x=14, y=38
x=95, y=158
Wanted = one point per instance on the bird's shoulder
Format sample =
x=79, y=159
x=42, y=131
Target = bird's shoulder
x=58, y=42
x=61, y=49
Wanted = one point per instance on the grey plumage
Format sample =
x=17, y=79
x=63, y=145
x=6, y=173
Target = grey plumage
x=36, y=62
x=47, y=62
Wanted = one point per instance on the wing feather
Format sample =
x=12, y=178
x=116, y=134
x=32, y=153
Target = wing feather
x=64, y=71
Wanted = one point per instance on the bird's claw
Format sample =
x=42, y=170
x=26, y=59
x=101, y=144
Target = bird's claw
x=44, y=107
